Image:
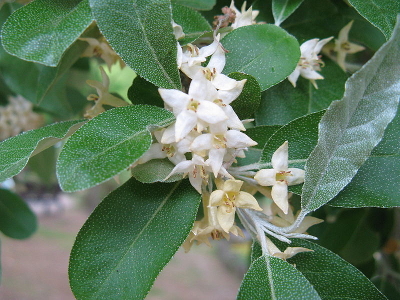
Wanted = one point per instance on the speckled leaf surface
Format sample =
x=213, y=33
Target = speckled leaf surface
x=249, y=99
x=42, y=30
x=352, y=127
x=15, y=151
x=129, y=238
x=108, y=144
x=282, y=9
x=272, y=278
x=381, y=13
x=140, y=31
x=282, y=103
x=16, y=218
x=376, y=183
x=192, y=22
x=196, y=4
x=155, y=170
x=261, y=45
x=331, y=276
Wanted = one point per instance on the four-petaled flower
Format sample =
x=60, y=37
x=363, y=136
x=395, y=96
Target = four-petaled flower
x=280, y=177
x=227, y=197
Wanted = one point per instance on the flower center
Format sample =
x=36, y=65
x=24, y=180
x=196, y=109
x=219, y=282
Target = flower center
x=229, y=201
x=193, y=105
x=169, y=150
x=209, y=74
x=219, y=141
x=281, y=176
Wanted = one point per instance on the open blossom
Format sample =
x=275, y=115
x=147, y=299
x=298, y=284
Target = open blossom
x=309, y=62
x=227, y=197
x=103, y=96
x=344, y=47
x=243, y=17
x=102, y=49
x=280, y=177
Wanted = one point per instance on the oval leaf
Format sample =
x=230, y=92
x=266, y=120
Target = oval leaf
x=129, y=238
x=16, y=219
x=108, y=144
x=272, y=278
x=42, y=30
x=352, y=127
x=15, y=151
x=140, y=31
x=266, y=45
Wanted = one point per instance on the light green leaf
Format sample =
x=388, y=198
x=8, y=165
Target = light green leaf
x=249, y=99
x=282, y=103
x=196, y=4
x=273, y=278
x=381, y=13
x=282, y=9
x=193, y=23
x=42, y=30
x=15, y=151
x=265, y=52
x=155, y=170
x=16, y=219
x=376, y=182
x=140, y=31
x=108, y=144
x=129, y=238
x=352, y=127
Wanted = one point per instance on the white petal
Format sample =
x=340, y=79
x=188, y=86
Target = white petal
x=210, y=112
x=217, y=60
x=227, y=96
x=309, y=73
x=154, y=152
x=237, y=139
x=215, y=159
x=321, y=43
x=307, y=48
x=185, y=122
x=174, y=98
x=202, y=142
x=168, y=136
x=279, y=194
x=294, y=76
x=297, y=176
x=202, y=89
x=223, y=82
x=280, y=158
x=266, y=177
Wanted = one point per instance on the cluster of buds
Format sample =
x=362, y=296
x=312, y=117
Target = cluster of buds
x=17, y=116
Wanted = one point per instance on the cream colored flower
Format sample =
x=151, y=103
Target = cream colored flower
x=280, y=177
x=103, y=97
x=243, y=17
x=227, y=198
x=288, y=253
x=100, y=48
x=344, y=47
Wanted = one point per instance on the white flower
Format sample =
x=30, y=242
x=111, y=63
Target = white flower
x=192, y=55
x=309, y=62
x=101, y=48
x=344, y=47
x=178, y=31
x=195, y=109
x=288, y=253
x=243, y=17
x=280, y=177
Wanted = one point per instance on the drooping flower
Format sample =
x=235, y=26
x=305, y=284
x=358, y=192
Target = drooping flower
x=103, y=96
x=280, y=177
x=227, y=197
x=288, y=253
x=309, y=62
x=344, y=47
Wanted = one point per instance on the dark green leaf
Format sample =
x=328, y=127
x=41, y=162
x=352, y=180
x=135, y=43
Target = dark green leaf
x=140, y=31
x=196, y=4
x=193, y=23
x=282, y=103
x=155, y=170
x=249, y=100
x=282, y=9
x=16, y=219
x=352, y=127
x=108, y=144
x=272, y=278
x=263, y=45
x=129, y=238
x=16, y=150
x=42, y=30
x=381, y=13
x=376, y=182
x=144, y=92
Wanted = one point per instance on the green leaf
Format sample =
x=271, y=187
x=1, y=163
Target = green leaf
x=272, y=278
x=108, y=144
x=352, y=127
x=15, y=151
x=249, y=100
x=263, y=45
x=16, y=219
x=193, y=23
x=376, y=182
x=140, y=31
x=42, y=30
x=144, y=92
x=129, y=238
x=282, y=9
x=282, y=103
x=155, y=170
x=381, y=13
x=196, y=4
